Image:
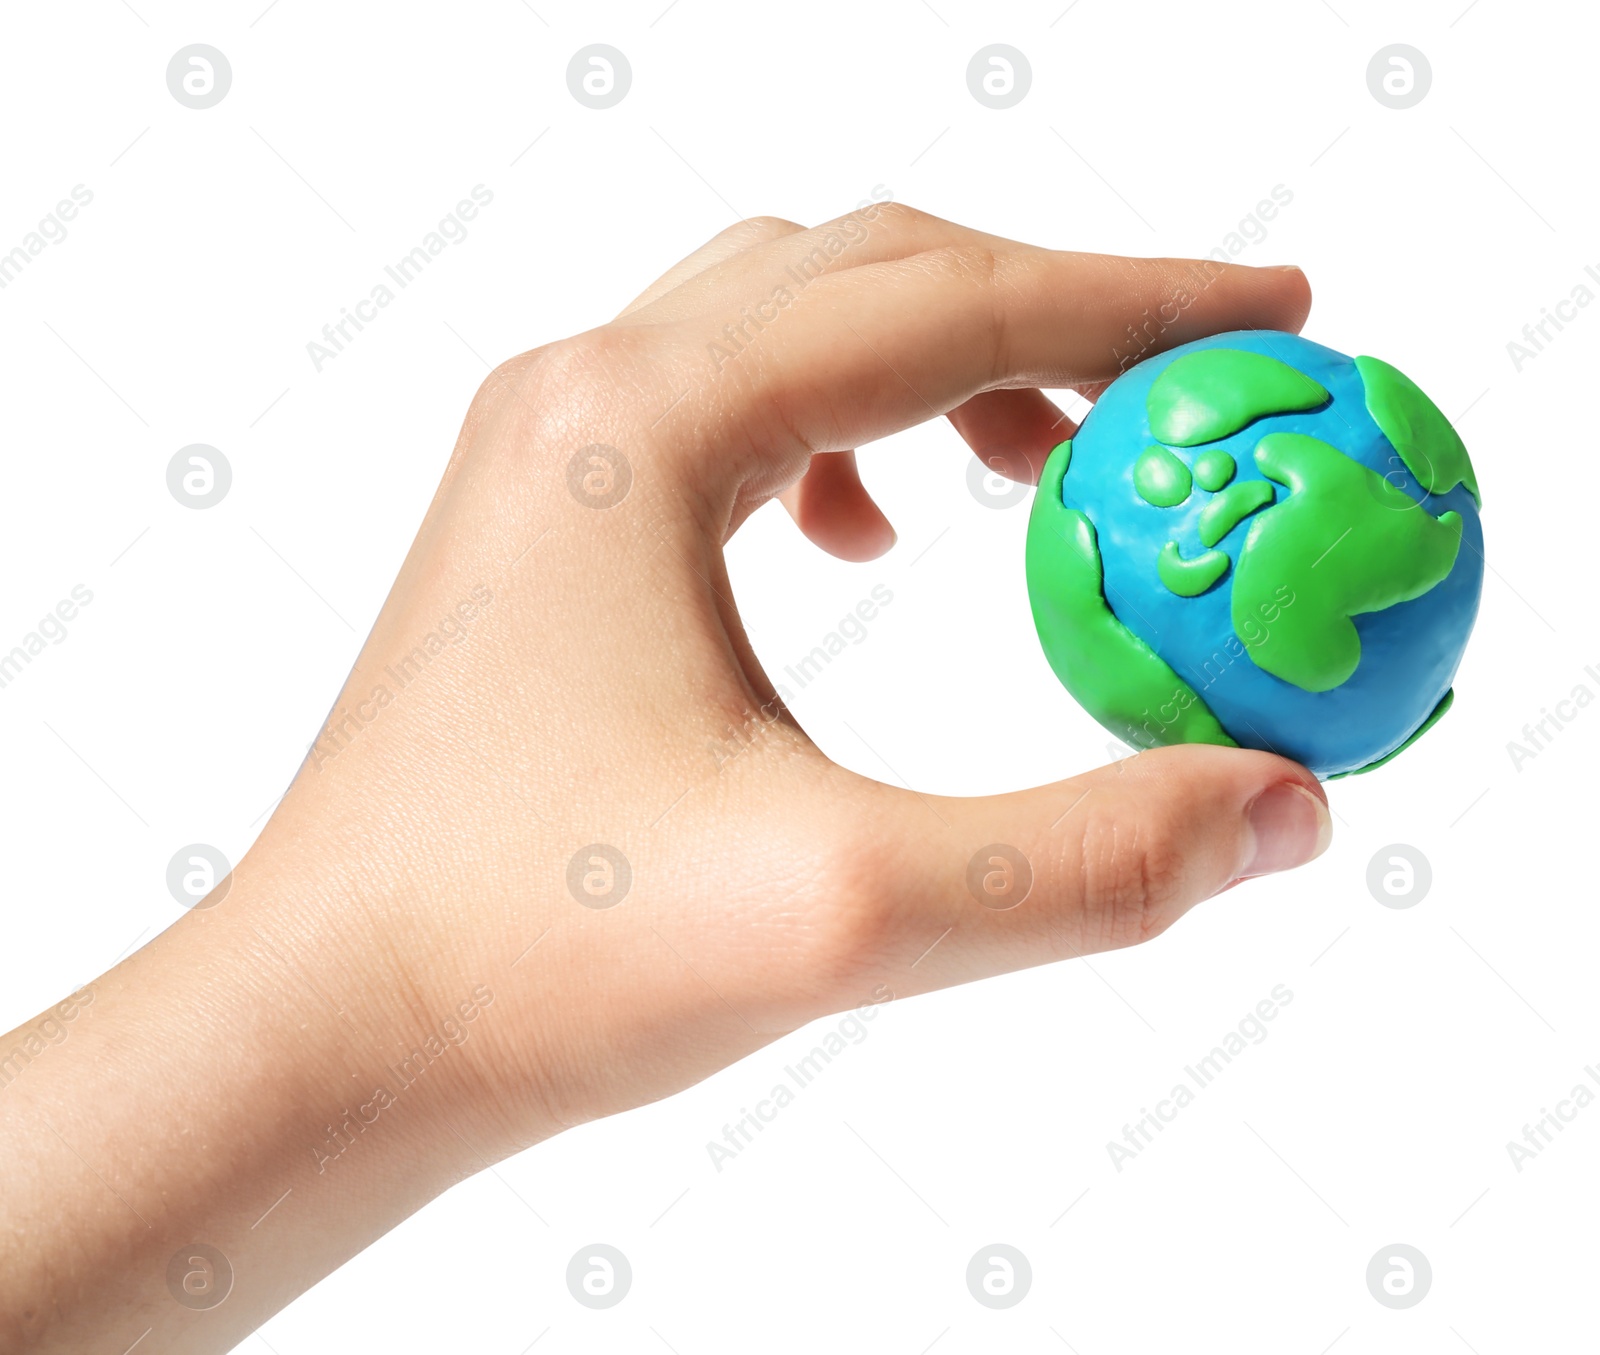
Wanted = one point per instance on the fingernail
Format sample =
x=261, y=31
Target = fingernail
x=1282, y=267
x=1288, y=827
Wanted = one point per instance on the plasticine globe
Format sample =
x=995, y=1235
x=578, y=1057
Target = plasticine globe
x=1254, y=540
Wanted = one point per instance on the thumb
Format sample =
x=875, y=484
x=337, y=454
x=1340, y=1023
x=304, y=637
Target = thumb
x=1104, y=860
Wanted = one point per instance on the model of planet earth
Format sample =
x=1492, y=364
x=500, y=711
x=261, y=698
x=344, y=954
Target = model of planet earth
x=1256, y=541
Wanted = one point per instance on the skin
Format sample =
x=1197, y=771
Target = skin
x=411, y=871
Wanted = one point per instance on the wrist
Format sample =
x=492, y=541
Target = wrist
x=244, y=1087
x=376, y=1027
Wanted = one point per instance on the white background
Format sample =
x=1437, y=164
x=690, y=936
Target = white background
x=1418, y=1041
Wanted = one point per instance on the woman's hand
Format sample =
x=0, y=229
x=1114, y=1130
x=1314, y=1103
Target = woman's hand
x=510, y=890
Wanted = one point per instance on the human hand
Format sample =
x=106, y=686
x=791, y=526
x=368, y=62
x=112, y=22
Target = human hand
x=523, y=739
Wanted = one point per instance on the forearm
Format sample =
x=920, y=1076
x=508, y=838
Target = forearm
x=221, y=1089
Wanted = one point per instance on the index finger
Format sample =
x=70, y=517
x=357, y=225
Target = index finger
x=859, y=354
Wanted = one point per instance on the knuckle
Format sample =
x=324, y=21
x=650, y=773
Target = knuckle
x=759, y=228
x=978, y=267
x=564, y=386
x=966, y=262
x=504, y=376
x=1132, y=881
x=592, y=357
x=901, y=216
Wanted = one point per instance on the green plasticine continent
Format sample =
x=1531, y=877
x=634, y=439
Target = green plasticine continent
x=1214, y=469
x=1445, y=702
x=1390, y=550
x=1161, y=478
x=1114, y=675
x=1231, y=507
x=1427, y=442
x=1211, y=394
x=1190, y=578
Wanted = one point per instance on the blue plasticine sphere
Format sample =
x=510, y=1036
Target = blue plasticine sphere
x=1243, y=633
